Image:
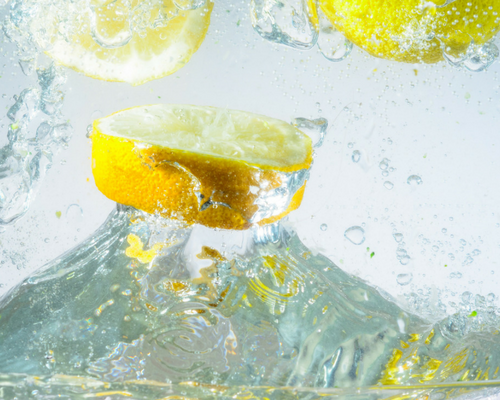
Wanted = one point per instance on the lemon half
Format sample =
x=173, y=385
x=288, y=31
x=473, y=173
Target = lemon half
x=414, y=30
x=132, y=41
x=220, y=168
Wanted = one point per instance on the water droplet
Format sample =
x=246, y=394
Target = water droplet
x=414, y=180
x=323, y=227
x=89, y=130
x=356, y=156
x=404, y=279
x=463, y=242
x=350, y=145
x=355, y=234
x=388, y=185
x=444, y=230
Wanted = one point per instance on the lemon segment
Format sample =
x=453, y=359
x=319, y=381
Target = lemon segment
x=414, y=30
x=112, y=44
x=203, y=165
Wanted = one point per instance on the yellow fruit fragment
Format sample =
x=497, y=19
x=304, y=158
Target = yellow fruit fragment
x=414, y=30
x=220, y=168
x=136, y=249
x=132, y=41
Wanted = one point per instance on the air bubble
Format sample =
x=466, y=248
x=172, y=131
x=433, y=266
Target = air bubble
x=414, y=180
x=355, y=234
x=356, y=156
x=404, y=279
x=398, y=237
x=384, y=164
x=388, y=185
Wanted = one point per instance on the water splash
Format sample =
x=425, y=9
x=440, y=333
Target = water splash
x=38, y=131
x=314, y=128
x=285, y=22
x=189, y=4
x=272, y=202
x=277, y=317
x=299, y=24
x=477, y=58
x=332, y=43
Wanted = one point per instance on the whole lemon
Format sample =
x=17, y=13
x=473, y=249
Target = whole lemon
x=414, y=30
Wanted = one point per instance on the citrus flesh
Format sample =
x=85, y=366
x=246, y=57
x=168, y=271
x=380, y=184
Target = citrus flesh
x=132, y=41
x=414, y=30
x=201, y=165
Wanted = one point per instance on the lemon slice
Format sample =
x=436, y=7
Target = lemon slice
x=414, y=30
x=132, y=41
x=220, y=168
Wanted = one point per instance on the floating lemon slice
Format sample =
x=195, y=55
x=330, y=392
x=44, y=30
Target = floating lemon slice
x=415, y=30
x=220, y=168
x=132, y=41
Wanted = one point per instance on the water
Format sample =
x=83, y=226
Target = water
x=125, y=358
x=124, y=306
x=36, y=133
x=477, y=58
x=286, y=22
x=331, y=43
x=315, y=128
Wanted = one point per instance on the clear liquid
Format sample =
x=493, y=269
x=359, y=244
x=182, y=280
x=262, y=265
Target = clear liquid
x=274, y=315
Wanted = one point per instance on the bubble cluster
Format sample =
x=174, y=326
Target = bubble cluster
x=32, y=146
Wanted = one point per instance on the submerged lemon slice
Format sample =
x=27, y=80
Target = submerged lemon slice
x=414, y=30
x=220, y=168
x=132, y=41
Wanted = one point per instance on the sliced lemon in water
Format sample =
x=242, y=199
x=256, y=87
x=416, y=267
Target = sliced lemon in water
x=221, y=168
x=414, y=30
x=132, y=41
